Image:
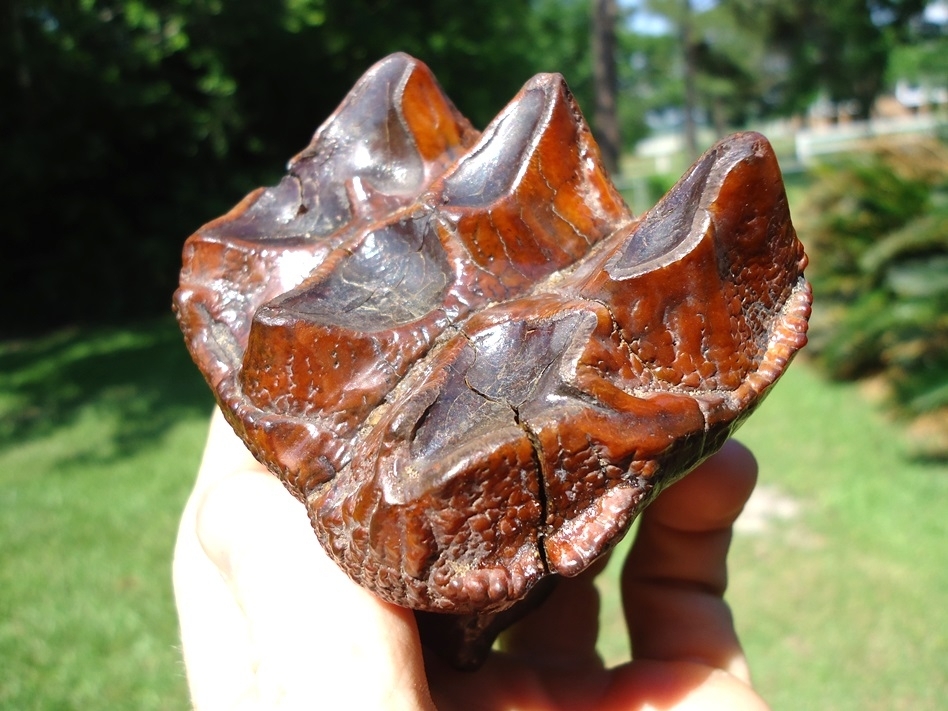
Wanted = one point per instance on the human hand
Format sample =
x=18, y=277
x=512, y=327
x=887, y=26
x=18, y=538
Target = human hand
x=269, y=622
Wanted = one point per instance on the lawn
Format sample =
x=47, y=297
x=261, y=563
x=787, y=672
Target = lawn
x=100, y=435
x=840, y=596
x=841, y=605
x=845, y=607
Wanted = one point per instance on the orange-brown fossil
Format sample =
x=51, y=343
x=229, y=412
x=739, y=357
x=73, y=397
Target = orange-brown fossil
x=464, y=354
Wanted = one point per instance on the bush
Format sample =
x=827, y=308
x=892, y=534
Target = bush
x=876, y=227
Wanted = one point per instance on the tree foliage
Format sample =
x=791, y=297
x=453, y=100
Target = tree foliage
x=839, y=49
x=125, y=124
x=560, y=32
x=722, y=52
x=755, y=58
x=128, y=123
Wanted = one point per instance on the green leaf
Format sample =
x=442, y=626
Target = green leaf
x=922, y=278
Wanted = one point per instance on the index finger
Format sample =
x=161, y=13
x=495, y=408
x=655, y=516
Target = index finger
x=675, y=575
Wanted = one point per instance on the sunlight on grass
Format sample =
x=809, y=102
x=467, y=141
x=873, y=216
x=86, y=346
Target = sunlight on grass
x=841, y=607
x=100, y=440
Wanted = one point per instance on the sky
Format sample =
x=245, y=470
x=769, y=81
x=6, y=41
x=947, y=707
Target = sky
x=937, y=12
x=642, y=21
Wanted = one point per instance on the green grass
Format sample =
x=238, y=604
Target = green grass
x=100, y=435
x=842, y=607
x=845, y=607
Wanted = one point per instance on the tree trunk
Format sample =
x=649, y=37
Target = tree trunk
x=605, y=119
x=686, y=37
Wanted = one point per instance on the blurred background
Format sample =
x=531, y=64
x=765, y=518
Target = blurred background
x=126, y=124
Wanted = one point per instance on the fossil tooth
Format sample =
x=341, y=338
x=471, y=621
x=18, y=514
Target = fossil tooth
x=464, y=354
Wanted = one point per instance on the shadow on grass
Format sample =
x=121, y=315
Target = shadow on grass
x=140, y=378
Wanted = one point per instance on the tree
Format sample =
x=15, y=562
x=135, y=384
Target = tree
x=561, y=32
x=605, y=15
x=126, y=124
x=717, y=70
x=840, y=49
x=922, y=60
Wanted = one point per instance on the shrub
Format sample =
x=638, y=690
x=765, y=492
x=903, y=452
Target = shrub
x=876, y=228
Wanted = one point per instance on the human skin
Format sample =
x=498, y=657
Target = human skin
x=268, y=621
